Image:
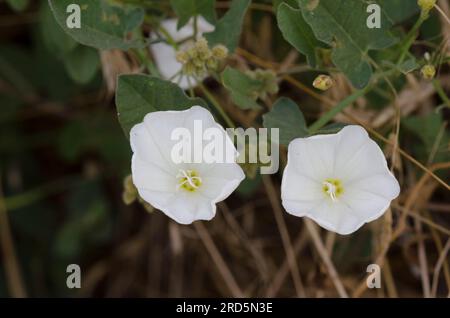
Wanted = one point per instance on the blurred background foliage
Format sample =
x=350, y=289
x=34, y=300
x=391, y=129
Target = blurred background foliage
x=63, y=159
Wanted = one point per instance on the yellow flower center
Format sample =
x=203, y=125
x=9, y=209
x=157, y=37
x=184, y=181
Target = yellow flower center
x=333, y=188
x=188, y=180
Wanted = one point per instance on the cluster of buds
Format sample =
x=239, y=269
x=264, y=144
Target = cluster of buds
x=130, y=194
x=268, y=80
x=323, y=82
x=428, y=71
x=199, y=59
x=426, y=5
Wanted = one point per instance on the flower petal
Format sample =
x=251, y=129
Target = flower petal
x=358, y=156
x=336, y=216
x=220, y=181
x=299, y=188
x=313, y=156
x=147, y=148
x=151, y=177
x=186, y=208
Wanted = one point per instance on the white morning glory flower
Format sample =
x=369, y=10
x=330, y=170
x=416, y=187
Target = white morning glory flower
x=341, y=180
x=164, y=54
x=185, y=192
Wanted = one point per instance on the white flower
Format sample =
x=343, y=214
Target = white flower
x=341, y=181
x=165, y=54
x=185, y=192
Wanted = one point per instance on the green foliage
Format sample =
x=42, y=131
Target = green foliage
x=138, y=95
x=18, y=5
x=103, y=26
x=185, y=9
x=434, y=137
x=297, y=32
x=82, y=63
x=408, y=66
x=242, y=88
x=63, y=156
x=291, y=3
x=228, y=28
x=286, y=115
x=342, y=25
x=398, y=11
x=88, y=223
x=54, y=37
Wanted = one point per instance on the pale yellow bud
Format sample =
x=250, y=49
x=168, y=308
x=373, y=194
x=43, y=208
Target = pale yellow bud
x=182, y=57
x=323, y=82
x=189, y=68
x=198, y=62
x=201, y=44
x=192, y=52
x=130, y=193
x=146, y=205
x=428, y=71
x=220, y=51
x=426, y=5
x=212, y=63
x=200, y=71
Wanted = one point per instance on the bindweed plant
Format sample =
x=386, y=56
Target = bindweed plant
x=348, y=97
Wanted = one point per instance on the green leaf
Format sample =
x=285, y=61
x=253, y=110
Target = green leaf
x=18, y=5
x=291, y=3
x=185, y=9
x=297, y=32
x=398, y=11
x=408, y=66
x=82, y=64
x=241, y=87
x=103, y=26
x=228, y=28
x=138, y=95
x=330, y=129
x=342, y=25
x=286, y=116
x=433, y=134
x=55, y=39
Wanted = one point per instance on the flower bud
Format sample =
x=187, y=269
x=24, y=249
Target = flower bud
x=189, y=68
x=428, y=71
x=220, y=52
x=146, y=205
x=192, y=52
x=212, y=63
x=182, y=57
x=323, y=82
x=130, y=193
x=198, y=62
x=201, y=44
x=426, y=5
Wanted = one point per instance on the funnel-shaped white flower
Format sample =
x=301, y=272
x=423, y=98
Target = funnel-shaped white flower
x=165, y=54
x=185, y=192
x=341, y=180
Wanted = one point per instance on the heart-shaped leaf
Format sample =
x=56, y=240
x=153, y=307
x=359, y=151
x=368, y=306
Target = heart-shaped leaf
x=287, y=117
x=102, y=25
x=138, y=95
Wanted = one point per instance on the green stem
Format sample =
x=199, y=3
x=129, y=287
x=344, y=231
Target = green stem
x=145, y=60
x=29, y=197
x=438, y=87
x=170, y=40
x=411, y=37
x=195, y=27
x=217, y=106
x=328, y=116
